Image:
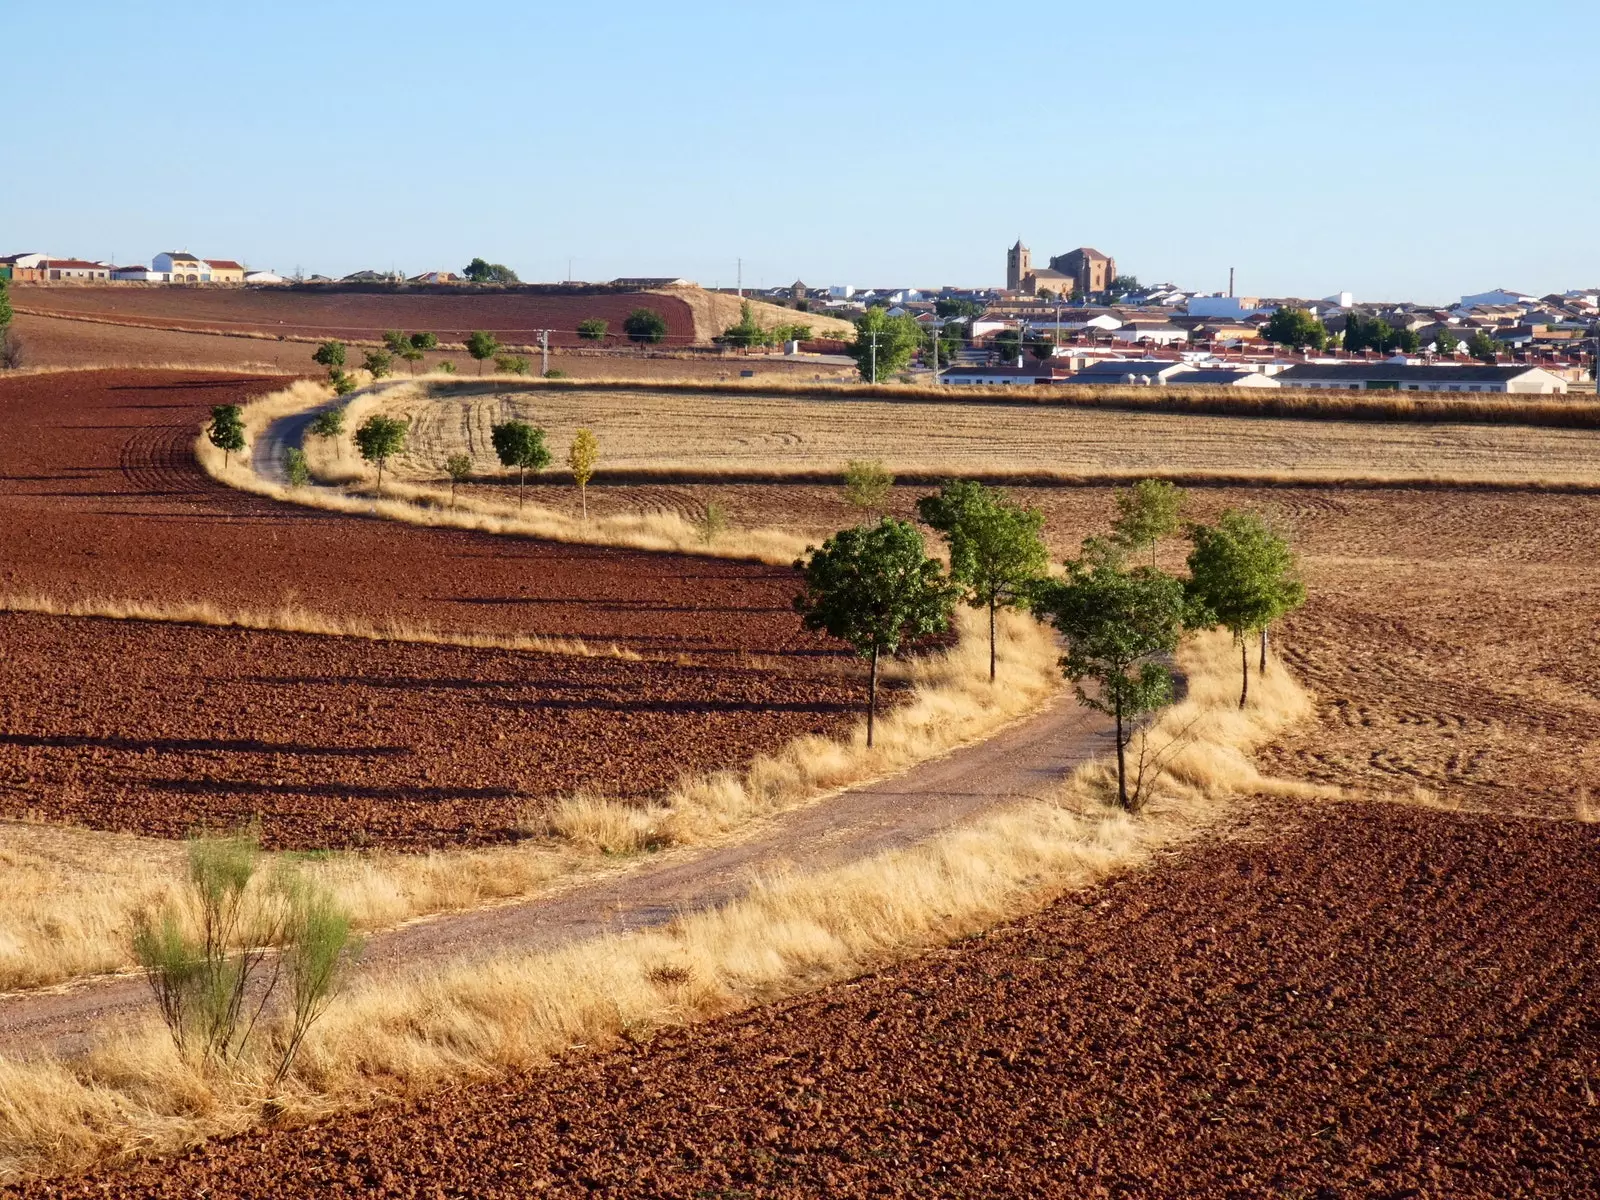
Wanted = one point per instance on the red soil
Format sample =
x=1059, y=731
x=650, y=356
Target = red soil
x=159, y=729
x=513, y=317
x=1375, y=1002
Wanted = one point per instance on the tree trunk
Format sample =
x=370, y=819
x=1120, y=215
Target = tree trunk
x=991, y=639
x=522, y=473
x=380, y=477
x=1244, y=661
x=872, y=698
x=1263, y=650
x=1122, y=762
x=452, y=493
x=224, y=460
x=583, y=499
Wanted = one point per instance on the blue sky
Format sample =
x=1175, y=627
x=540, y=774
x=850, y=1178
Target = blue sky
x=1398, y=150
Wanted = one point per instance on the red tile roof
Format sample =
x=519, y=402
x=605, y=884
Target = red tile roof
x=226, y=264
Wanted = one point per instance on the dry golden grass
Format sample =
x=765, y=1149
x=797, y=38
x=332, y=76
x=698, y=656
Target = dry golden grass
x=714, y=312
x=293, y=619
x=396, y=1036
x=734, y=433
x=66, y=911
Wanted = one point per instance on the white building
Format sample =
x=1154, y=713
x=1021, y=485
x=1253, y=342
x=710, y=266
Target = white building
x=1237, y=307
x=135, y=275
x=179, y=266
x=1402, y=376
x=263, y=277
x=56, y=269
x=1157, y=334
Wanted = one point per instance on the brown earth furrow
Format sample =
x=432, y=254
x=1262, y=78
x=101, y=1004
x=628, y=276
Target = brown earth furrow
x=1191, y=1030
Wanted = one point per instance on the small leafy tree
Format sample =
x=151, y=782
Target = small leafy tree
x=1446, y=341
x=645, y=326
x=395, y=341
x=713, y=520
x=479, y=271
x=510, y=364
x=5, y=305
x=997, y=550
x=448, y=367
x=593, y=329
x=1296, y=328
x=378, y=363
x=331, y=355
x=424, y=341
x=226, y=431
x=295, y=467
x=747, y=332
x=1120, y=625
x=866, y=484
x=343, y=385
x=459, y=468
x=1483, y=347
x=482, y=346
x=381, y=438
x=582, y=456
x=883, y=344
x=1242, y=576
x=412, y=356
x=874, y=586
x=329, y=425
x=520, y=445
x=1147, y=512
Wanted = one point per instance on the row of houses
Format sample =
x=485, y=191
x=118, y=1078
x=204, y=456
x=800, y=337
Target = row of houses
x=167, y=267
x=1394, y=375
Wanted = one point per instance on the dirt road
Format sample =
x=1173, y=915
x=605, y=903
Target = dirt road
x=1024, y=760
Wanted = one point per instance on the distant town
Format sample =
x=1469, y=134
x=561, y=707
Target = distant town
x=1078, y=320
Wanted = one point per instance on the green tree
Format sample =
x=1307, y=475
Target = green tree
x=1296, y=328
x=1146, y=513
x=1242, y=576
x=1008, y=345
x=5, y=305
x=226, y=430
x=329, y=425
x=866, y=484
x=511, y=364
x=343, y=385
x=295, y=468
x=459, y=468
x=962, y=309
x=424, y=341
x=331, y=355
x=874, y=586
x=412, y=356
x=520, y=445
x=395, y=341
x=1120, y=626
x=883, y=344
x=479, y=271
x=593, y=329
x=1446, y=341
x=1483, y=347
x=645, y=326
x=1405, y=341
x=582, y=456
x=997, y=550
x=378, y=363
x=1123, y=285
x=379, y=439
x=482, y=346
x=747, y=332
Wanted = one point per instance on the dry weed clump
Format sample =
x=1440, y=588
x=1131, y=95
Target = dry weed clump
x=392, y=1037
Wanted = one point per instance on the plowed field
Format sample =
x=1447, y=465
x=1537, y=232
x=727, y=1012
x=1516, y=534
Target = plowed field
x=340, y=742
x=157, y=728
x=1377, y=1002
x=513, y=317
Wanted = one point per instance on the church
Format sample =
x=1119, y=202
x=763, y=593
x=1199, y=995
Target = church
x=1084, y=271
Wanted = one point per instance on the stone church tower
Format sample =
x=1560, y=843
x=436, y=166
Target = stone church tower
x=1019, y=262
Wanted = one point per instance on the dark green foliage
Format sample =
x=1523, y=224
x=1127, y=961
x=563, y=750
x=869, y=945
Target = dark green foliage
x=380, y=438
x=520, y=445
x=1483, y=347
x=479, y=271
x=1446, y=341
x=343, y=385
x=424, y=341
x=226, y=430
x=747, y=332
x=482, y=346
x=965, y=309
x=997, y=550
x=874, y=587
x=378, y=363
x=1123, y=285
x=593, y=329
x=5, y=304
x=1242, y=576
x=511, y=364
x=332, y=356
x=395, y=341
x=1120, y=625
x=1296, y=328
x=645, y=325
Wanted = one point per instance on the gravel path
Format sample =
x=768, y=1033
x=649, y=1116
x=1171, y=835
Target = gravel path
x=1024, y=760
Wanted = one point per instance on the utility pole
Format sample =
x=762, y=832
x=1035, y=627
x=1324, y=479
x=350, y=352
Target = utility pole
x=1230, y=283
x=874, y=355
x=544, y=353
x=738, y=287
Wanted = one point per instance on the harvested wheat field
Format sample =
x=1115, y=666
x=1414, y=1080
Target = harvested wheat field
x=344, y=742
x=1373, y=1001
x=723, y=433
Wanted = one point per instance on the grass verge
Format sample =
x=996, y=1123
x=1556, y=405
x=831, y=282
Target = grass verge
x=388, y=1038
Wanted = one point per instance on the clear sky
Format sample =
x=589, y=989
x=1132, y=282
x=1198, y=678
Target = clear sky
x=1395, y=149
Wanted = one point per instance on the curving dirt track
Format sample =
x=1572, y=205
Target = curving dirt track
x=1376, y=1002
x=156, y=728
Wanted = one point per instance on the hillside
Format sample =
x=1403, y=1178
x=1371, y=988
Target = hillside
x=715, y=311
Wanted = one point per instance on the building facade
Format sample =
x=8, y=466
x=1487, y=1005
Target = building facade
x=1509, y=378
x=180, y=267
x=1091, y=271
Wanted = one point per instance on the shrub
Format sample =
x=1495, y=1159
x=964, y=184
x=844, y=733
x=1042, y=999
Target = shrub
x=645, y=325
x=380, y=438
x=866, y=484
x=295, y=467
x=511, y=364
x=378, y=363
x=593, y=329
x=459, y=468
x=520, y=445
